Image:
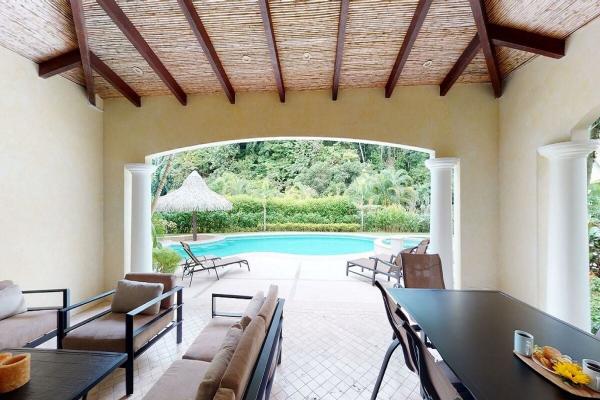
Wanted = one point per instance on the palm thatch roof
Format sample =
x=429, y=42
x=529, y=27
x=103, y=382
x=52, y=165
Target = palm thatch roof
x=193, y=195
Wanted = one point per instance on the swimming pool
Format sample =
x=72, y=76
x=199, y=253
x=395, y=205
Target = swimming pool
x=291, y=244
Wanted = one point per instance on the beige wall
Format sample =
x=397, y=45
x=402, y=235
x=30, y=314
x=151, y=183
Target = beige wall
x=543, y=101
x=463, y=124
x=51, y=181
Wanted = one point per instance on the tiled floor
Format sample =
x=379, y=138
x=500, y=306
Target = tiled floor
x=335, y=332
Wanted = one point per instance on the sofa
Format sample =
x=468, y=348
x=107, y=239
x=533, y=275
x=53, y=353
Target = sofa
x=233, y=358
x=131, y=330
x=35, y=325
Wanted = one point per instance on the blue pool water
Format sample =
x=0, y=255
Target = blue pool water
x=290, y=244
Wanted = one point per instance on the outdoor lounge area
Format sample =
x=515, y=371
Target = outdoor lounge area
x=285, y=199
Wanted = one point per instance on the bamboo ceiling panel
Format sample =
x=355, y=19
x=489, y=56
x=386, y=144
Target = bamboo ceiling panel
x=305, y=32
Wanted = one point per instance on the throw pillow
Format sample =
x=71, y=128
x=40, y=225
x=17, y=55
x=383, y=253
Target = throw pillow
x=12, y=301
x=132, y=294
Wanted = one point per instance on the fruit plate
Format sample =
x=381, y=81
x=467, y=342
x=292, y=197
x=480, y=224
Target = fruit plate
x=581, y=391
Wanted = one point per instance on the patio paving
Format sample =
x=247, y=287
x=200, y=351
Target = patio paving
x=335, y=331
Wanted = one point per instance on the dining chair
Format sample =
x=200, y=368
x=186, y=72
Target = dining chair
x=396, y=318
x=437, y=380
x=422, y=271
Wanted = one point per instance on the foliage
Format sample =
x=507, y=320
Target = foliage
x=165, y=260
x=595, y=292
x=307, y=227
x=395, y=219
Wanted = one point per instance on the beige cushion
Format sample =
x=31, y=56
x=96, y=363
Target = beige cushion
x=179, y=382
x=209, y=385
x=255, y=304
x=169, y=281
x=210, y=339
x=107, y=333
x=268, y=308
x=224, y=394
x=238, y=372
x=245, y=321
x=29, y=325
x=132, y=294
x=12, y=301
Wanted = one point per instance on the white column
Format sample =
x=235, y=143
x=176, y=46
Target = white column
x=567, y=274
x=141, y=217
x=441, y=228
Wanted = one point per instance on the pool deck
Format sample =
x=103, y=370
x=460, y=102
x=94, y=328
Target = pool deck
x=335, y=331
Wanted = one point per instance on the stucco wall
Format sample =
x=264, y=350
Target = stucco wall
x=543, y=101
x=51, y=182
x=463, y=124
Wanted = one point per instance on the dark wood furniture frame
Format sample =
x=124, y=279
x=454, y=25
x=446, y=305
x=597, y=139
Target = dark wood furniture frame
x=66, y=298
x=260, y=384
x=130, y=332
x=189, y=267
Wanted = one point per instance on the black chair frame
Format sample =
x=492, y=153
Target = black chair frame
x=261, y=381
x=130, y=332
x=66, y=299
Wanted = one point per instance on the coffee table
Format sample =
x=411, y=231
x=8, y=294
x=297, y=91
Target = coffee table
x=63, y=374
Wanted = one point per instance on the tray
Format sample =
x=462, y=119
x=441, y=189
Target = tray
x=581, y=391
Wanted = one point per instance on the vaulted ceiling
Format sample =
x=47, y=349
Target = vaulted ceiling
x=252, y=45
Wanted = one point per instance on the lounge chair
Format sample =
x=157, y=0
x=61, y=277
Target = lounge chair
x=209, y=264
x=193, y=260
x=388, y=265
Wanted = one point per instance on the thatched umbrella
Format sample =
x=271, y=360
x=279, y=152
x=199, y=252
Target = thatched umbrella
x=193, y=196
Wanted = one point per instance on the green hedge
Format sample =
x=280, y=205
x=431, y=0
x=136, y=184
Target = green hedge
x=329, y=214
x=300, y=227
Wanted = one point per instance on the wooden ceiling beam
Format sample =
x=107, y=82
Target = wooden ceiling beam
x=265, y=13
x=188, y=9
x=84, y=51
x=526, y=41
x=339, y=50
x=59, y=64
x=477, y=7
x=130, y=31
x=409, y=40
x=115, y=80
x=463, y=61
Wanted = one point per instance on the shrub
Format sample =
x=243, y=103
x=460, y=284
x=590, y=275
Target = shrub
x=165, y=260
x=303, y=227
x=595, y=292
x=396, y=219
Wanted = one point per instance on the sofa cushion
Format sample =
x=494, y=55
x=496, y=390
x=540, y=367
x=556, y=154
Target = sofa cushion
x=212, y=378
x=21, y=329
x=245, y=321
x=238, y=372
x=132, y=294
x=268, y=308
x=210, y=339
x=169, y=281
x=12, y=301
x=224, y=394
x=107, y=333
x=255, y=304
x=179, y=382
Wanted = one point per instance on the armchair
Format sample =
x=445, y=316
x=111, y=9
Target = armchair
x=131, y=333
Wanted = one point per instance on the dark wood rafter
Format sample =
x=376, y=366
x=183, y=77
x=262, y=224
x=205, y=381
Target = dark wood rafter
x=130, y=31
x=339, y=50
x=84, y=51
x=265, y=13
x=526, y=41
x=188, y=9
x=59, y=64
x=409, y=40
x=463, y=61
x=115, y=80
x=481, y=22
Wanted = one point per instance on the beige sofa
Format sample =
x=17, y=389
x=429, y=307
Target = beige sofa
x=223, y=362
x=35, y=326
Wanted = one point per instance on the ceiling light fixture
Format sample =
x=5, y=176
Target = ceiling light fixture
x=428, y=64
x=246, y=59
x=307, y=56
x=137, y=71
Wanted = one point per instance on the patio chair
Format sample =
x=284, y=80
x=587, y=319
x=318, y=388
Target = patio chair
x=209, y=264
x=422, y=271
x=131, y=332
x=193, y=260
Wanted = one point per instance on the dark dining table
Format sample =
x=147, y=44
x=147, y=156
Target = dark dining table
x=473, y=332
